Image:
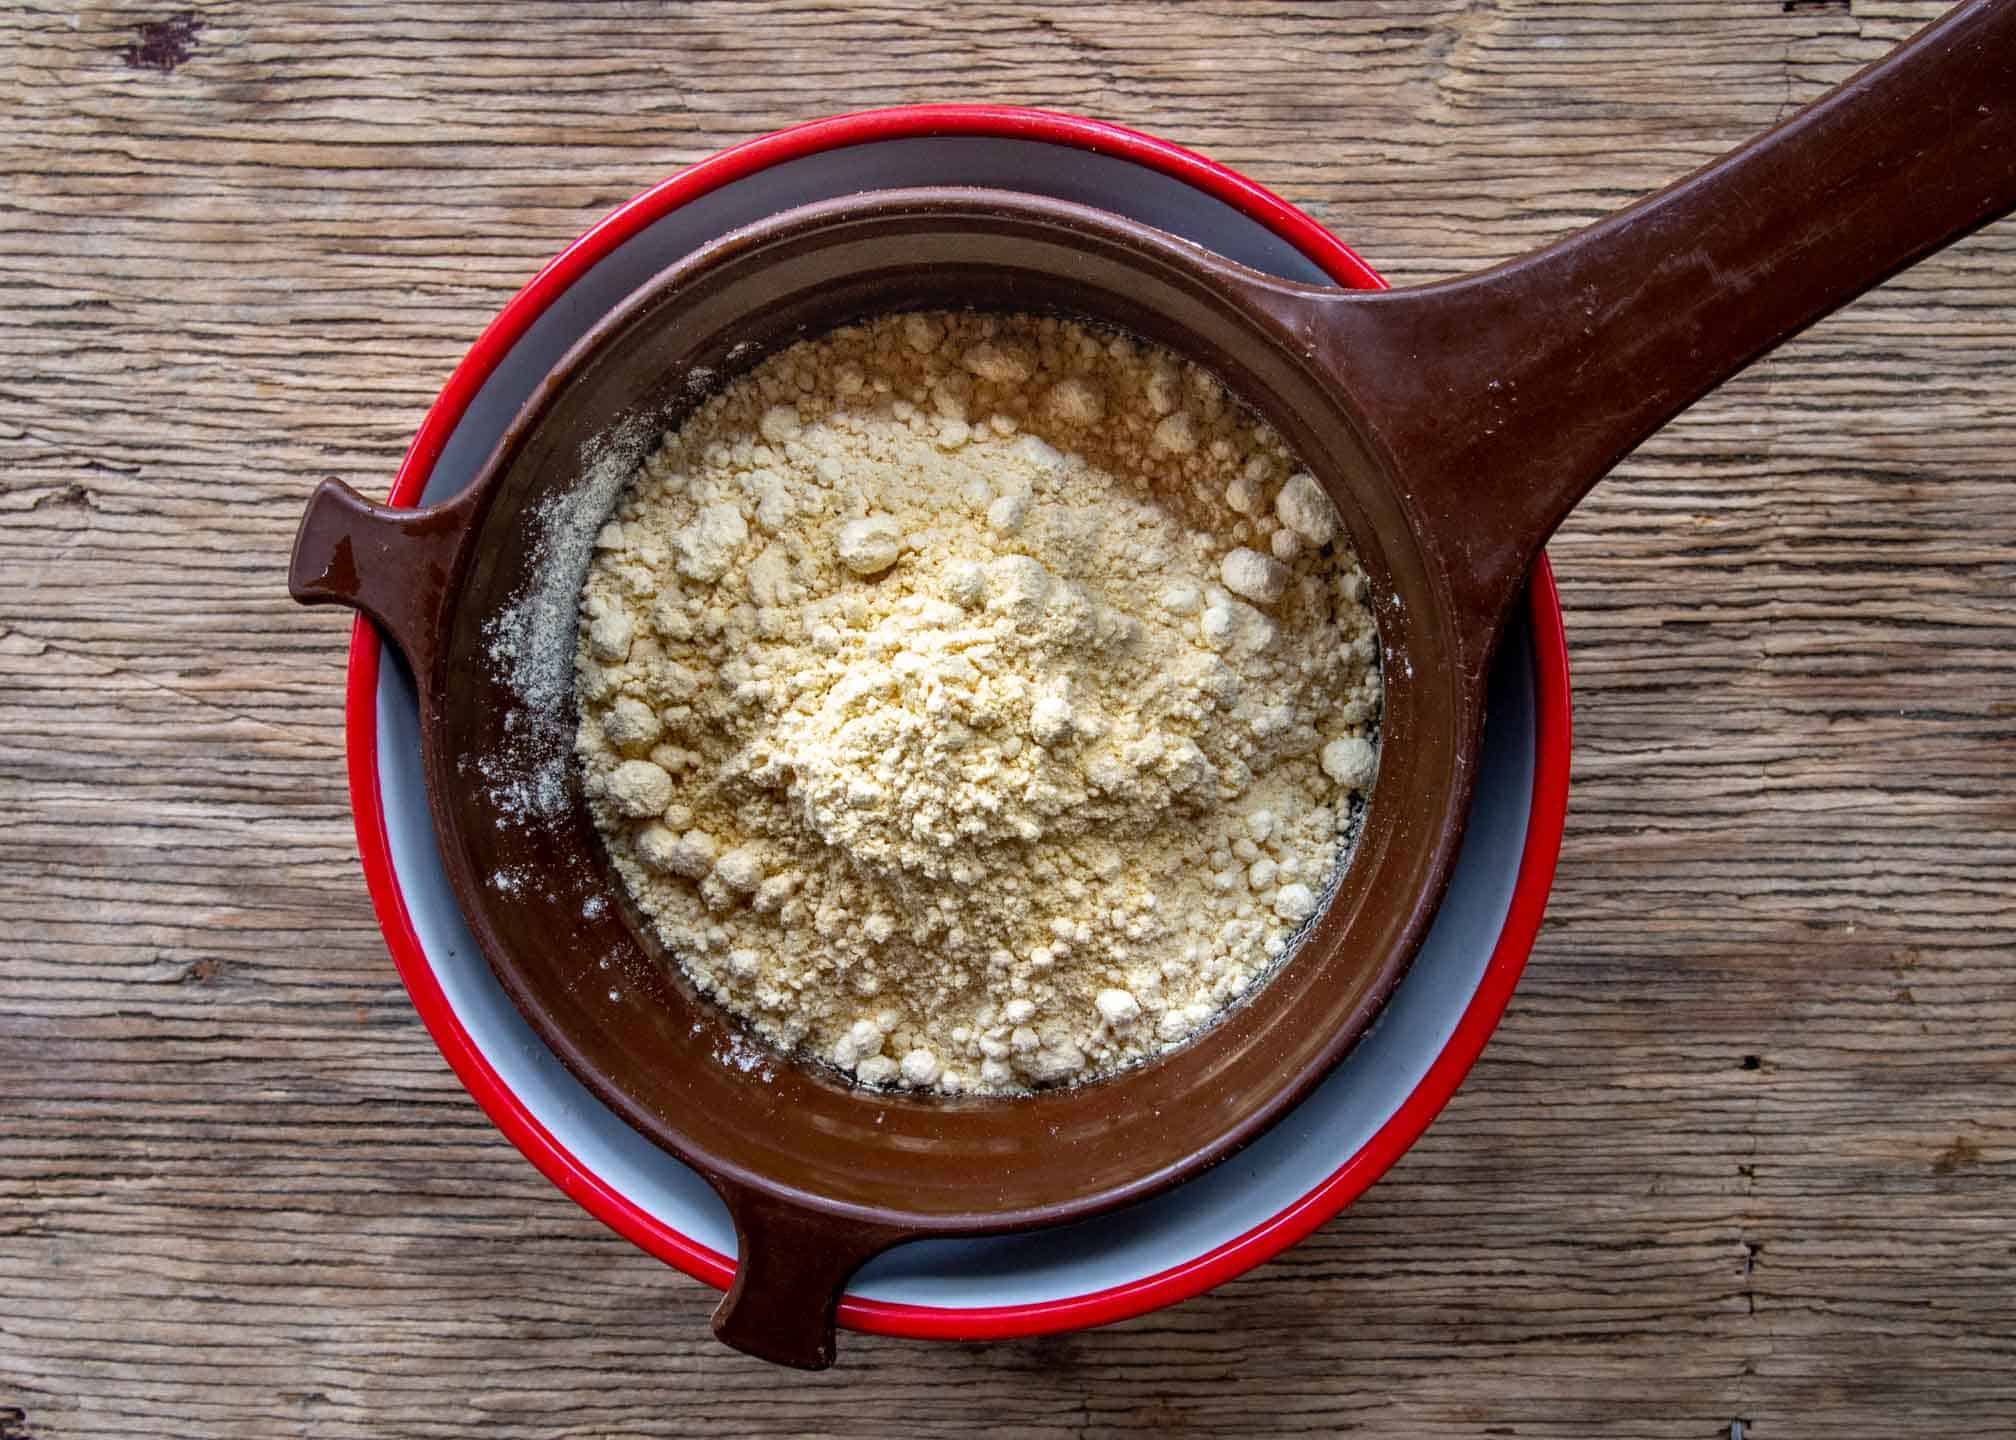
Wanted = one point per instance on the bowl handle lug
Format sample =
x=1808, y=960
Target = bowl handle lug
x=392, y=565
x=793, y=1264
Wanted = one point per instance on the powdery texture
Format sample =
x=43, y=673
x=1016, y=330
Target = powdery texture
x=977, y=703
x=532, y=639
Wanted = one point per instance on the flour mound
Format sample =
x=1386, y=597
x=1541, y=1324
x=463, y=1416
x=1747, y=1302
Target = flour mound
x=975, y=703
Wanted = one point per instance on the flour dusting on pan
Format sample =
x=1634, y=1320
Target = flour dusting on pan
x=531, y=641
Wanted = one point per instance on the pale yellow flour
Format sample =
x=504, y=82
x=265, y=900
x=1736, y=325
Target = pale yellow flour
x=975, y=702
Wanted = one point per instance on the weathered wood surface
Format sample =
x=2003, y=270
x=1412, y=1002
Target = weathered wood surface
x=1744, y=1147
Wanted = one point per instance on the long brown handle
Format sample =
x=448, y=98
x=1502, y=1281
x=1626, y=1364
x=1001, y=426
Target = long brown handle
x=392, y=565
x=792, y=1265
x=1504, y=396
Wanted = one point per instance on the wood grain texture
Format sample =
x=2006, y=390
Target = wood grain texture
x=1744, y=1146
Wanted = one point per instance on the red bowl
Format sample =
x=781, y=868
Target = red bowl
x=559, y=1155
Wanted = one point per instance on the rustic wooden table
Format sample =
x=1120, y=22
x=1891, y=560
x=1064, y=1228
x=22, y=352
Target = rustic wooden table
x=1741, y=1154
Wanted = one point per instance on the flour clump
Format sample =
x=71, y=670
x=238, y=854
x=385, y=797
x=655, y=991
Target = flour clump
x=954, y=706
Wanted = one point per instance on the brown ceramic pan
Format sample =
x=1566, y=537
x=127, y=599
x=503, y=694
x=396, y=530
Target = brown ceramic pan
x=1455, y=425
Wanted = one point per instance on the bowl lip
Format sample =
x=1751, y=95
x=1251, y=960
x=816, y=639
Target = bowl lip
x=503, y=1107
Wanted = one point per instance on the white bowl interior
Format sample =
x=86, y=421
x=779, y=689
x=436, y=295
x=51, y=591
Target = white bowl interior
x=1262, y=1180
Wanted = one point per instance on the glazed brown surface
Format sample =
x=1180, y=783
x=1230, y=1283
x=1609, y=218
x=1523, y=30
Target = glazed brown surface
x=849, y=1158
x=1791, y=761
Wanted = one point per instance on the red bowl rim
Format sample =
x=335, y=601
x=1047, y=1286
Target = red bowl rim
x=589, y=1190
